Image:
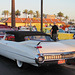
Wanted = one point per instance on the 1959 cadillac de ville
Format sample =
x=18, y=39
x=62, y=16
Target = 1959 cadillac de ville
x=35, y=48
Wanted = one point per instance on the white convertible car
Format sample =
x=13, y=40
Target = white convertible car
x=35, y=48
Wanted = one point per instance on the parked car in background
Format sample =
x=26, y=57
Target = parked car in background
x=61, y=33
x=3, y=29
x=35, y=48
x=24, y=28
x=72, y=30
x=2, y=33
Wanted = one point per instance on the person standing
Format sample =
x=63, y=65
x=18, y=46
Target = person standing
x=54, y=31
x=34, y=28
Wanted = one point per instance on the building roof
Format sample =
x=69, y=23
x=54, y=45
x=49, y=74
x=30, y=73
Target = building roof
x=36, y=20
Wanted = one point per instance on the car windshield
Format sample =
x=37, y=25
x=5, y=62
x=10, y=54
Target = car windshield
x=38, y=38
x=61, y=31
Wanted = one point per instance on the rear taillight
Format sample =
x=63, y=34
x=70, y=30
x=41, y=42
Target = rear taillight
x=39, y=47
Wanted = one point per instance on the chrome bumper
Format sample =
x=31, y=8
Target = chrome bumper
x=62, y=56
x=54, y=58
x=55, y=62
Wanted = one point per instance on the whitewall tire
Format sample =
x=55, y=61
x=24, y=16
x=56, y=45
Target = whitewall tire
x=19, y=63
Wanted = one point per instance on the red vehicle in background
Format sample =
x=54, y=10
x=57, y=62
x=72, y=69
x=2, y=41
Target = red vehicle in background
x=3, y=29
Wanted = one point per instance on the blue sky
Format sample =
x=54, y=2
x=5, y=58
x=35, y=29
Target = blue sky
x=50, y=6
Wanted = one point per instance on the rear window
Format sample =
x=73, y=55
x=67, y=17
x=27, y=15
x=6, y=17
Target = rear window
x=38, y=38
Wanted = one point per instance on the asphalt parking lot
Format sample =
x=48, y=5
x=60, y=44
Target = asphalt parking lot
x=8, y=67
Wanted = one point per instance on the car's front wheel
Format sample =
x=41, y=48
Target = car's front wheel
x=19, y=63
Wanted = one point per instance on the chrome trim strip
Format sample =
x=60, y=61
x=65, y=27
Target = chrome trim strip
x=58, y=53
x=58, y=59
x=61, y=56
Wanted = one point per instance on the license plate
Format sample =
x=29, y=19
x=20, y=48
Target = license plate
x=61, y=61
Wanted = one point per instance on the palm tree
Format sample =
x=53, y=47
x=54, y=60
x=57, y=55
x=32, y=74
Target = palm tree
x=60, y=14
x=31, y=13
x=44, y=15
x=13, y=13
x=4, y=13
x=7, y=13
x=73, y=20
x=66, y=17
x=34, y=14
x=25, y=12
x=37, y=13
x=55, y=15
x=70, y=20
x=17, y=13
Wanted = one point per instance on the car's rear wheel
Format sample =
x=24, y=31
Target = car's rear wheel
x=19, y=63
